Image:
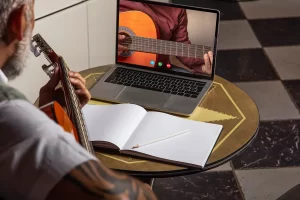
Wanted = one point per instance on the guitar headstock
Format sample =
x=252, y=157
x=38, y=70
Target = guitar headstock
x=39, y=45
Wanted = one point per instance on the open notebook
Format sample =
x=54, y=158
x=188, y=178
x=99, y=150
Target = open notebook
x=134, y=131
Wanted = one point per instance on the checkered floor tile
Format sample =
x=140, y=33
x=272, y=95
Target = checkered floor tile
x=259, y=49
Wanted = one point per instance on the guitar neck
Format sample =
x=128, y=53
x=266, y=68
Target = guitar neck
x=72, y=102
x=74, y=110
x=163, y=47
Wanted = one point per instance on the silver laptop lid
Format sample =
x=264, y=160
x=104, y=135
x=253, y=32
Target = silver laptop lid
x=167, y=38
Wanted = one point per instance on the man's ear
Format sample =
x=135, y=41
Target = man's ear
x=16, y=25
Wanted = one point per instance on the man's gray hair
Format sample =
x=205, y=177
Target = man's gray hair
x=6, y=7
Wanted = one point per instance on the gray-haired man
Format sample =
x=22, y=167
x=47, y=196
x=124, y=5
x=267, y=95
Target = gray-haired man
x=38, y=160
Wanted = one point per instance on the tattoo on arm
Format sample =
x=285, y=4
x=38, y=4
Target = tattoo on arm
x=99, y=182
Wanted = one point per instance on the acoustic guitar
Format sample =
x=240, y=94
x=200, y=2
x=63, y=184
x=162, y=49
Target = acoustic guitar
x=72, y=120
x=143, y=43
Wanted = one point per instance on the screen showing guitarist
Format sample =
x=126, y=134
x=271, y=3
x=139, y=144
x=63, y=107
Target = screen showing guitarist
x=151, y=35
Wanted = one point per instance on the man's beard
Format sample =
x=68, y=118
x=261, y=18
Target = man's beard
x=17, y=62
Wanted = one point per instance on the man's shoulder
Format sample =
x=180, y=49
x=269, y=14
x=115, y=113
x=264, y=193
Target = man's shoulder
x=18, y=109
x=19, y=118
x=14, y=105
x=9, y=93
x=35, y=148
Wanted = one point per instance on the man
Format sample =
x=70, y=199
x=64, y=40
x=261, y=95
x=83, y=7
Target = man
x=172, y=25
x=38, y=160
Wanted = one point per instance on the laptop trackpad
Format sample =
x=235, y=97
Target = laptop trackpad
x=143, y=97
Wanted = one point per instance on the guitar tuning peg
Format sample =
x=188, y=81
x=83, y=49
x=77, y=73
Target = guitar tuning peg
x=34, y=49
x=47, y=69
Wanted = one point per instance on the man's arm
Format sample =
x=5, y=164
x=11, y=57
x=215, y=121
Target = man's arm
x=181, y=35
x=92, y=180
x=39, y=160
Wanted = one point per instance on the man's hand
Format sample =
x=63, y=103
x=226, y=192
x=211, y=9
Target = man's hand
x=121, y=48
x=199, y=67
x=78, y=83
x=208, y=62
x=49, y=93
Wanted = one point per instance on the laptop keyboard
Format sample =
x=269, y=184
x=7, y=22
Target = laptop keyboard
x=156, y=82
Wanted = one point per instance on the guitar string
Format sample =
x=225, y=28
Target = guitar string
x=74, y=105
x=163, y=46
x=79, y=120
x=159, y=40
x=190, y=53
x=78, y=117
x=167, y=47
x=77, y=113
x=162, y=42
x=166, y=44
x=166, y=51
x=172, y=47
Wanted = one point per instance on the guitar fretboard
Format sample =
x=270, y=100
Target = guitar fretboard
x=75, y=110
x=150, y=45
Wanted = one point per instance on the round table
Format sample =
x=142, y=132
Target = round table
x=224, y=104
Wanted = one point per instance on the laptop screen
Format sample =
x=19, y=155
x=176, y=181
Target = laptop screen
x=167, y=38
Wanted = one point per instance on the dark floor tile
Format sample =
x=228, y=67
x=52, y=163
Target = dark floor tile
x=245, y=65
x=229, y=10
x=293, y=87
x=291, y=194
x=277, y=145
x=212, y=186
x=277, y=32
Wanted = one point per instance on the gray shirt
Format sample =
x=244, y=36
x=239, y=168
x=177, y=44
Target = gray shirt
x=35, y=152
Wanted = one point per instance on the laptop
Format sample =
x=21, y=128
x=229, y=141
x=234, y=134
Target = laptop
x=160, y=50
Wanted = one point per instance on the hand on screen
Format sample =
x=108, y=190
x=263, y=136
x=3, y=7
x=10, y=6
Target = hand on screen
x=121, y=48
x=208, y=60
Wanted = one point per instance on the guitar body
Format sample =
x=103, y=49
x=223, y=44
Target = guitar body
x=55, y=112
x=136, y=23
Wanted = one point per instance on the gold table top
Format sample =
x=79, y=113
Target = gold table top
x=224, y=104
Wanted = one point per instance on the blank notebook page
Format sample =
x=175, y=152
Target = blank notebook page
x=193, y=147
x=112, y=123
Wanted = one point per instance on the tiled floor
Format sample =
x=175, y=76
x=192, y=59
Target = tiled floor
x=259, y=50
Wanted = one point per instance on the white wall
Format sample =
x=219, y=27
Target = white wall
x=67, y=37
x=202, y=27
x=68, y=33
x=45, y=7
x=102, y=31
